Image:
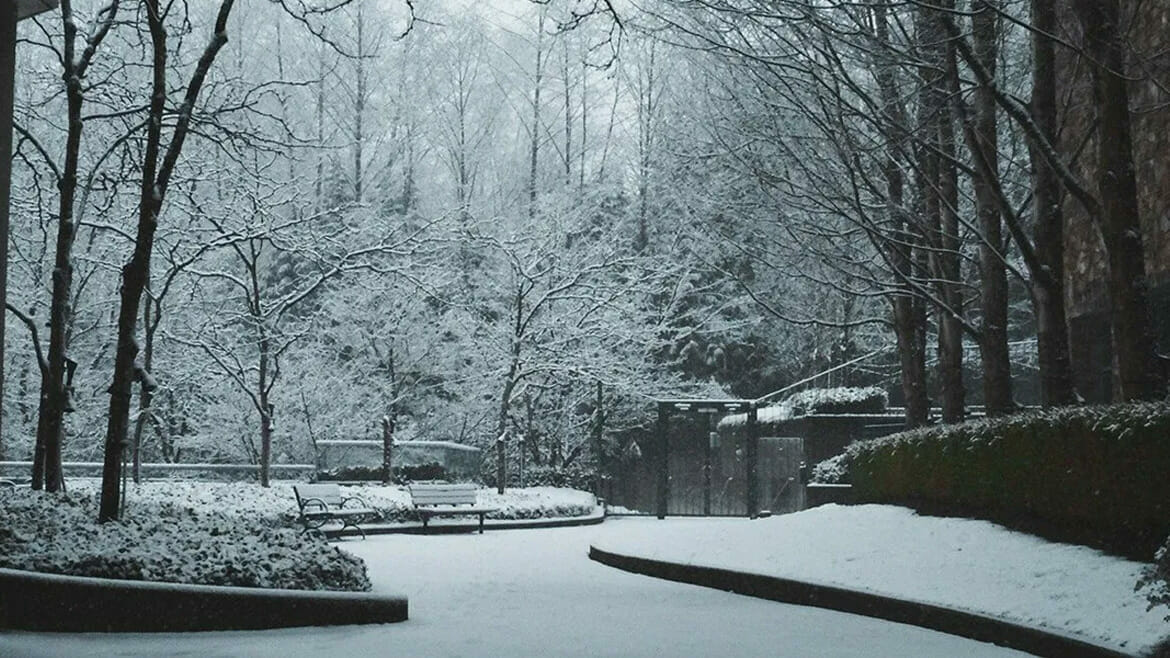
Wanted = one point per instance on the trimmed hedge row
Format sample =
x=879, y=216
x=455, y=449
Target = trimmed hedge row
x=1094, y=475
x=840, y=400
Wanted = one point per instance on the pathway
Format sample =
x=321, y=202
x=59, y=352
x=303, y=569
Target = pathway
x=535, y=593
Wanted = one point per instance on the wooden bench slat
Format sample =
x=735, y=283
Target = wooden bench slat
x=441, y=499
x=313, y=496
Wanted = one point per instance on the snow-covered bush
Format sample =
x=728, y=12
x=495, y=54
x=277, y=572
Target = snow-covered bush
x=840, y=400
x=834, y=470
x=1157, y=579
x=57, y=533
x=276, y=507
x=1094, y=475
x=401, y=475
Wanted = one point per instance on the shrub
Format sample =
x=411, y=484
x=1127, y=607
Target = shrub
x=1157, y=579
x=841, y=400
x=414, y=473
x=401, y=474
x=1094, y=475
x=833, y=470
x=57, y=533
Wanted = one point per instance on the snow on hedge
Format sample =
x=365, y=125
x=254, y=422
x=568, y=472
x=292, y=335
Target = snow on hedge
x=839, y=400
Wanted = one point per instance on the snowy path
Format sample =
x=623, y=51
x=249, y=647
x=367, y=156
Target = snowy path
x=535, y=593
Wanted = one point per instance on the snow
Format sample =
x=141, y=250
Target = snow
x=960, y=563
x=536, y=593
x=276, y=502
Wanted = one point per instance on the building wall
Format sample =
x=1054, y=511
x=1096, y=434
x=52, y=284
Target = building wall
x=1148, y=24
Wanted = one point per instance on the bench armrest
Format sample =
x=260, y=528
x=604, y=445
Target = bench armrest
x=317, y=504
x=357, y=499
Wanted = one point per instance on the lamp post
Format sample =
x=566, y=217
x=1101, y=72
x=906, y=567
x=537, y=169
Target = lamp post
x=11, y=11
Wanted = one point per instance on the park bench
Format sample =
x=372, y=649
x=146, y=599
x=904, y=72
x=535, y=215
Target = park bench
x=445, y=498
x=7, y=484
x=319, y=504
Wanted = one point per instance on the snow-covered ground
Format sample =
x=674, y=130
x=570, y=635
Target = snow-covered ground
x=961, y=563
x=525, y=593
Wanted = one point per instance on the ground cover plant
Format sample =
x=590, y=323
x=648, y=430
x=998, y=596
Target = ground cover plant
x=57, y=533
x=275, y=506
x=216, y=533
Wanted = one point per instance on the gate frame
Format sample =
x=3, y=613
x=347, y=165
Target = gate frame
x=709, y=406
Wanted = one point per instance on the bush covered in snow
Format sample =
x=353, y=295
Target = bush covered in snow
x=831, y=471
x=401, y=474
x=276, y=506
x=575, y=476
x=57, y=533
x=840, y=400
x=1094, y=475
x=1157, y=580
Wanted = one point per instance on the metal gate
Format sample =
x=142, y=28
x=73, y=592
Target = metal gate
x=685, y=468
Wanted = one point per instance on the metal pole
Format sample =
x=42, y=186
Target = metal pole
x=663, y=460
x=8, y=18
x=710, y=427
x=753, y=456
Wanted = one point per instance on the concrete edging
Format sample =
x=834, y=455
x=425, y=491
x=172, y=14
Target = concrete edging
x=935, y=617
x=52, y=602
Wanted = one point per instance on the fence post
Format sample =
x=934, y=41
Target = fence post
x=663, y=459
x=753, y=458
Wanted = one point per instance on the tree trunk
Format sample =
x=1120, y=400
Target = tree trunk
x=534, y=144
x=387, y=450
x=940, y=189
x=909, y=320
x=1052, y=346
x=145, y=393
x=993, y=288
x=265, y=443
x=134, y=273
x=1139, y=368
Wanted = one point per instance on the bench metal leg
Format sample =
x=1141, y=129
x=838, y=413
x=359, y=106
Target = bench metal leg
x=481, y=523
x=346, y=524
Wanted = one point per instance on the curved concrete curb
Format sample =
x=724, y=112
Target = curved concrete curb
x=52, y=602
x=472, y=526
x=940, y=618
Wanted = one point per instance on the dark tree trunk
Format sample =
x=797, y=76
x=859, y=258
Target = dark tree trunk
x=155, y=180
x=1052, y=345
x=1139, y=368
x=993, y=288
x=908, y=319
x=387, y=450
x=940, y=191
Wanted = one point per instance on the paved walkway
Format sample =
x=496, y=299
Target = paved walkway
x=535, y=593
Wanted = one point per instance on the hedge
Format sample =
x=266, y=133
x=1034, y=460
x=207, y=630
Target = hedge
x=1094, y=475
x=840, y=400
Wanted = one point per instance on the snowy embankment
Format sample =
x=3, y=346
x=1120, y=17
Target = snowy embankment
x=959, y=563
x=277, y=505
